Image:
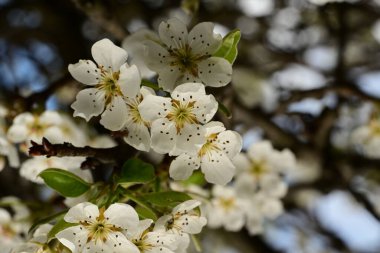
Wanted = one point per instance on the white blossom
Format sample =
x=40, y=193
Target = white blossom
x=184, y=218
x=134, y=45
x=226, y=209
x=149, y=241
x=260, y=209
x=110, y=81
x=31, y=168
x=262, y=168
x=366, y=139
x=176, y=122
x=99, y=230
x=38, y=243
x=214, y=156
x=27, y=126
x=181, y=56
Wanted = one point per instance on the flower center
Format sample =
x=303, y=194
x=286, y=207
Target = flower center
x=98, y=230
x=186, y=59
x=134, y=112
x=258, y=168
x=209, y=145
x=182, y=113
x=227, y=203
x=109, y=84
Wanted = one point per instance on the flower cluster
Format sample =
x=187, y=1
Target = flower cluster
x=178, y=125
x=118, y=229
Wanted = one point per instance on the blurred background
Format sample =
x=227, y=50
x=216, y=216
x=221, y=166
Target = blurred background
x=307, y=77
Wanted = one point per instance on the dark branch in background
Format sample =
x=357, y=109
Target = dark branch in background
x=106, y=155
x=101, y=15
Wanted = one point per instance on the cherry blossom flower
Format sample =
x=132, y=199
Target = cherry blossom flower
x=27, y=126
x=38, y=244
x=152, y=241
x=31, y=168
x=138, y=131
x=260, y=209
x=214, y=156
x=366, y=139
x=110, y=81
x=99, y=230
x=226, y=209
x=181, y=56
x=176, y=121
x=184, y=218
x=261, y=170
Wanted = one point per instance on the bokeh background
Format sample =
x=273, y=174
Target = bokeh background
x=307, y=77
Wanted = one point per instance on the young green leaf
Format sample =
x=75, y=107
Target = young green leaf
x=166, y=199
x=145, y=213
x=45, y=220
x=223, y=109
x=64, y=182
x=136, y=171
x=228, y=50
x=59, y=226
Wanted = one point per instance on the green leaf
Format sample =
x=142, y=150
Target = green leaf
x=196, y=178
x=136, y=171
x=166, y=199
x=59, y=226
x=64, y=182
x=190, y=6
x=145, y=213
x=223, y=109
x=45, y=220
x=150, y=84
x=228, y=50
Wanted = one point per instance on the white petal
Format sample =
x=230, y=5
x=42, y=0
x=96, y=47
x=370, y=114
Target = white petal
x=214, y=127
x=230, y=142
x=190, y=138
x=166, y=240
x=89, y=103
x=18, y=133
x=241, y=162
x=137, y=233
x=118, y=243
x=85, y=71
x=50, y=118
x=188, y=77
x=184, y=91
x=25, y=118
x=82, y=212
x=169, y=77
x=105, y=53
x=273, y=185
x=191, y=224
x=217, y=167
x=173, y=33
x=254, y=224
x=260, y=151
x=73, y=238
x=115, y=115
x=138, y=136
x=272, y=208
x=154, y=107
x=202, y=39
x=215, y=71
x=160, y=224
x=234, y=221
x=156, y=57
x=187, y=206
x=183, y=166
x=129, y=80
x=122, y=215
x=164, y=135
x=205, y=108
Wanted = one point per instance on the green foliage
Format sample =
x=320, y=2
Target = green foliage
x=197, y=178
x=45, y=220
x=223, y=109
x=64, y=182
x=228, y=50
x=145, y=213
x=136, y=171
x=166, y=199
x=59, y=226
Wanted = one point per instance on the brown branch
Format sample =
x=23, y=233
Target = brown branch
x=67, y=149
